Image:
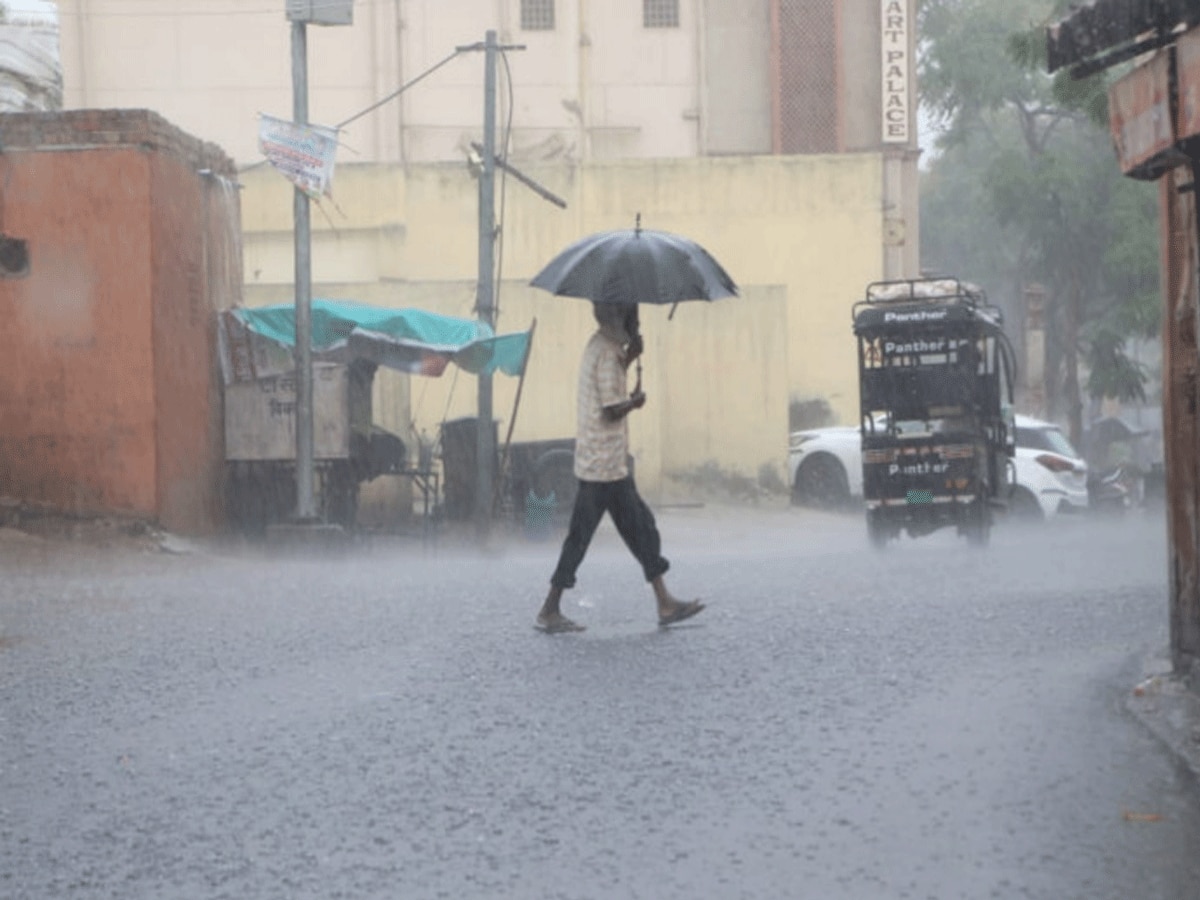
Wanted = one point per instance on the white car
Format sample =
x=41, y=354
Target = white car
x=1051, y=474
x=825, y=466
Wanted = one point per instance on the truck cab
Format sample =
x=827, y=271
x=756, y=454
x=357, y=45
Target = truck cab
x=936, y=378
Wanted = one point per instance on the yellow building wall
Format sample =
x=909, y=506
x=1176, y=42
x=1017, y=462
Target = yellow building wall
x=801, y=236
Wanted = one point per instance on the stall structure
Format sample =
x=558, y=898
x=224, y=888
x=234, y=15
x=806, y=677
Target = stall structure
x=349, y=342
x=1155, y=122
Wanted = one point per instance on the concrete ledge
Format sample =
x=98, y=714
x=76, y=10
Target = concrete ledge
x=1165, y=704
x=307, y=537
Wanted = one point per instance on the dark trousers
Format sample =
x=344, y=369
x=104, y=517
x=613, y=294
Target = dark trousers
x=631, y=515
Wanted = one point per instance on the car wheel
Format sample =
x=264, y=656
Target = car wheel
x=1023, y=507
x=821, y=482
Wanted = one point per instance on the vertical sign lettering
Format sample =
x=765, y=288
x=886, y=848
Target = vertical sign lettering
x=895, y=64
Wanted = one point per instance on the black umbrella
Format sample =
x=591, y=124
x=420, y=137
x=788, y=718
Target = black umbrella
x=636, y=265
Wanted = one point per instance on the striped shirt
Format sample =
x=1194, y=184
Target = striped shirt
x=601, y=446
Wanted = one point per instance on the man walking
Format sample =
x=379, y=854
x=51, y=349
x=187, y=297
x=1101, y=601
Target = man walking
x=601, y=465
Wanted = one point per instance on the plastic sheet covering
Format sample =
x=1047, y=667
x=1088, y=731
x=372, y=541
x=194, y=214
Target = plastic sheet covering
x=30, y=68
x=257, y=342
x=931, y=289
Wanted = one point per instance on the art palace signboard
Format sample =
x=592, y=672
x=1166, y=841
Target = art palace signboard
x=894, y=59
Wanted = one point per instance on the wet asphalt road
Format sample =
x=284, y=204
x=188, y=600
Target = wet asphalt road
x=932, y=722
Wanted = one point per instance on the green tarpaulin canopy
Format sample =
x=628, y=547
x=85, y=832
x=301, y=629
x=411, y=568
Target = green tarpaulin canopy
x=409, y=340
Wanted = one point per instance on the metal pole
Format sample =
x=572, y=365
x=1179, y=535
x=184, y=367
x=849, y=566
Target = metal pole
x=484, y=298
x=305, y=507
x=512, y=420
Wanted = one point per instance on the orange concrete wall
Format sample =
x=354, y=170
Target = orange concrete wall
x=76, y=386
x=109, y=390
x=192, y=262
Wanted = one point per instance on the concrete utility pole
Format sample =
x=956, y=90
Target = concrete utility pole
x=305, y=507
x=300, y=13
x=485, y=306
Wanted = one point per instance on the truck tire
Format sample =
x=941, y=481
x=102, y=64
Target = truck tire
x=877, y=530
x=978, y=525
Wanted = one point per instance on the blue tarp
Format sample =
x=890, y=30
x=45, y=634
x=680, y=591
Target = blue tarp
x=409, y=340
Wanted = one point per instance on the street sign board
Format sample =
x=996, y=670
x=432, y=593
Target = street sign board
x=304, y=154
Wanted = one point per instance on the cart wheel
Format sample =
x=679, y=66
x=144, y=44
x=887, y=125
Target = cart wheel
x=250, y=499
x=276, y=489
x=340, y=488
x=241, y=510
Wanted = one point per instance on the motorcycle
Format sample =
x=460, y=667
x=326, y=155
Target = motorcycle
x=1116, y=489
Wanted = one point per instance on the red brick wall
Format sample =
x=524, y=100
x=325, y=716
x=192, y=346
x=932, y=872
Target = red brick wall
x=192, y=262
x=109, y=398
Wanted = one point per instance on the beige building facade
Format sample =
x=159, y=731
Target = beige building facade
x=589, y=79
x=717, y=374
x=779, y=133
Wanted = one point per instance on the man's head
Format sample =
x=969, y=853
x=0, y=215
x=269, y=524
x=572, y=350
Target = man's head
x=618, y=316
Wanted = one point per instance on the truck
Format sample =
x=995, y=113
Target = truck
x=936, y=374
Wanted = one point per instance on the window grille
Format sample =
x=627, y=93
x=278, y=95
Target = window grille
x=807, y=78
x=660, y=13
x=537, y=15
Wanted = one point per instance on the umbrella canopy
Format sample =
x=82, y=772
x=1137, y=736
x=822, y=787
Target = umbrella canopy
x=636, y=265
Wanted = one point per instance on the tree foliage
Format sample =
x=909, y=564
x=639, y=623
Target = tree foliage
x=1024, y=188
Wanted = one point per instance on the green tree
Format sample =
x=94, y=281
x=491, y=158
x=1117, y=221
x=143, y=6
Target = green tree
x=1025, y=188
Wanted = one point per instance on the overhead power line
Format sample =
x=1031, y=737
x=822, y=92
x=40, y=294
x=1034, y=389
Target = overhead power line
x=400, y=90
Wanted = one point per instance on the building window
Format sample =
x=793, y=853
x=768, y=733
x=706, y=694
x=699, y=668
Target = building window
x=660, y=13
x=537, y=15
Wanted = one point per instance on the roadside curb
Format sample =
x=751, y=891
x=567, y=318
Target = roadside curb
x=1170, y=709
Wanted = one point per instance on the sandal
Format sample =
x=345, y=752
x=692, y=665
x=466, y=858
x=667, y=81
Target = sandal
x=681, y=612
